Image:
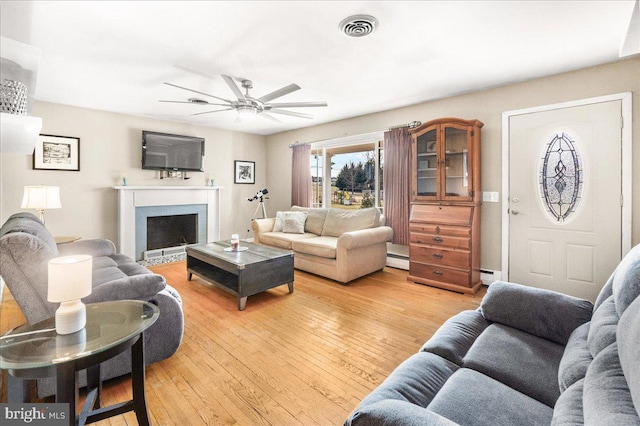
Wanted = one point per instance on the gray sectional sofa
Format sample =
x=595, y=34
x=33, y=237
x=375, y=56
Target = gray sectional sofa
x=525, y=357
x=26, y=247
x=338, y=244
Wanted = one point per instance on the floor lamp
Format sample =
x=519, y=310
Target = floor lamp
x=41, y=198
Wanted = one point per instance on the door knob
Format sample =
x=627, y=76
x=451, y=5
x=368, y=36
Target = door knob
x=515, y=212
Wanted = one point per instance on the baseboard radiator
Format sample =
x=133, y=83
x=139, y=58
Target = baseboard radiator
x=164, y=255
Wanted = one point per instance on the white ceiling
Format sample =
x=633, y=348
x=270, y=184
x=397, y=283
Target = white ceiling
x=115, y=55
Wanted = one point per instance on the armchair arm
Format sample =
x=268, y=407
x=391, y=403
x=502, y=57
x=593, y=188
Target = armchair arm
x=396, y=412
x=260, y=226
x=138, y=287
x=365, y=237
x=540, y=312
x=95, y=247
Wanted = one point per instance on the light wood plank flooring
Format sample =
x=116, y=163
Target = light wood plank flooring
x=305, y=358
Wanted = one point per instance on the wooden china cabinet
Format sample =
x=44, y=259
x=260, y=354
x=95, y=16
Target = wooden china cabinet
x=444, y=224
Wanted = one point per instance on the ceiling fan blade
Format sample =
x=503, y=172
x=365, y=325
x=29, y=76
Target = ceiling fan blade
x=234, y=87
x=209, y=112
x=291, y=113
x=195, y=91
x=297, y=104
x=269, y=117
x=280, y=92
x=177, y=102
x=194, y=103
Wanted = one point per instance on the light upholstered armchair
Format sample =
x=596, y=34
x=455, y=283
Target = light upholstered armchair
x=26, y=247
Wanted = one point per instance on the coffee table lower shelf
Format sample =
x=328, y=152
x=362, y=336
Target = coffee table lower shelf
x=241, y=280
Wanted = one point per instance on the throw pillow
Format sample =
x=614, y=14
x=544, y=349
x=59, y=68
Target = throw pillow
x=281, y=218
x=294, y=224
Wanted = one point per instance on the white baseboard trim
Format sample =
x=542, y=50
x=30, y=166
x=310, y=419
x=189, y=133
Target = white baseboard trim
x=399, y=262
x=487, y=276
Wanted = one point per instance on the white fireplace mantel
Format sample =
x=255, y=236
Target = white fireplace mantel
x=130, y=197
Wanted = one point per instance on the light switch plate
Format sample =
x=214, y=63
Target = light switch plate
x=490, y=197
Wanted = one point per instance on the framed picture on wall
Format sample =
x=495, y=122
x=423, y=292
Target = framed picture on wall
x=245, y=172
x=57, y=153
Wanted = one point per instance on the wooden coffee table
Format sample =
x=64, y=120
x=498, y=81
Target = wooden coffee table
x=243, y=273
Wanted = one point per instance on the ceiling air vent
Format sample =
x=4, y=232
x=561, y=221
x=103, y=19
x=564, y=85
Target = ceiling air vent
x=358, y=25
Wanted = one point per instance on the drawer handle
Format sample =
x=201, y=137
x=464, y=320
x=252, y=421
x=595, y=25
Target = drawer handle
x=437, y=239
x=438, y=255
x=437, y=273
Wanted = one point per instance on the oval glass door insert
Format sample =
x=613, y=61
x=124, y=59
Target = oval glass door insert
x=561, y=177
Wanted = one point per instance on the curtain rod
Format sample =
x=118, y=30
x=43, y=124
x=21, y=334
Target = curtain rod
x=411, y=125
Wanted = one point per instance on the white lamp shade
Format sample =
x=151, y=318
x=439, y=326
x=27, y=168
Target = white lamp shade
x=69, y=278
x=41, y=197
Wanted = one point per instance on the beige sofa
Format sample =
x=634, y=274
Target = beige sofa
x=338, y=244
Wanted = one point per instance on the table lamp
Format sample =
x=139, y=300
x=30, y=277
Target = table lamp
x=69, y=281
x=41, y=198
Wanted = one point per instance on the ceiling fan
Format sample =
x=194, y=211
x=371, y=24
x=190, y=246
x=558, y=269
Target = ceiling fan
x=248, y=106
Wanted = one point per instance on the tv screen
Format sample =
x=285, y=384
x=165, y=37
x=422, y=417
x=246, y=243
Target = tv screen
x=163, y=151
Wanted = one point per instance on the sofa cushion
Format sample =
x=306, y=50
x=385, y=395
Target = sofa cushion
x=318, y=246
x=281, y=217
x=471, y=398
x=454, y=338
x=417, y=380
x=604, y=323
x=629, y=349
x=568, y=410
x=282, y=240
x=339, y=221
x=543, y=313
x=315, y=218
x=522, y=361
x=607, y=400
x=576, y=358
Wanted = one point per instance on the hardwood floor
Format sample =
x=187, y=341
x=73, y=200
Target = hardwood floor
x=305, y=358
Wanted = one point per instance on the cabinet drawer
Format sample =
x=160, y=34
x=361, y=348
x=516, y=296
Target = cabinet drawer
x=432, y=228
x=440, y=274
x=457, y=258
x=440, y=240
x=449, y=215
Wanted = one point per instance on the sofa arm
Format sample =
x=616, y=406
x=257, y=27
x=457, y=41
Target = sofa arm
x=540, y=312
x=95, y=247
x=137, y=287
x=260, y=226
x=365, y=237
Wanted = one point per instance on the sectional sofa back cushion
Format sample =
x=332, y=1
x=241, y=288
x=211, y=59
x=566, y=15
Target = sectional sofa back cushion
x=315, y=218
x=339, y=221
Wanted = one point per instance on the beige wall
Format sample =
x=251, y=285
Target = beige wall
x=110, y=143
x=487, y=106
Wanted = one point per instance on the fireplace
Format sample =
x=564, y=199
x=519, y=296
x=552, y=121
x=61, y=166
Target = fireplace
x=171, y=231
x=137, y=203
x=166, y=230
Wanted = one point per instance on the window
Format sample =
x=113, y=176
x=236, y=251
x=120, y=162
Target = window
x=353, y=167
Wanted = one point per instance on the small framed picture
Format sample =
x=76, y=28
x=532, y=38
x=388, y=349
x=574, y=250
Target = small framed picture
x=245, y=172
x=57, y=153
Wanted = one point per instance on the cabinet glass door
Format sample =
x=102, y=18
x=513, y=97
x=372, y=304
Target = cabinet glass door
x=456, y=160
x=427, y=164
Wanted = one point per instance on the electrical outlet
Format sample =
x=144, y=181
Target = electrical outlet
x=490, y=197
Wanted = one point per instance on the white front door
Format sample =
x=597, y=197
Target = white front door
x=564, y=206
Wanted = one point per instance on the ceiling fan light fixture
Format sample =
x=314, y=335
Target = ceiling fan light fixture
x=358, y=25
x=246, y=112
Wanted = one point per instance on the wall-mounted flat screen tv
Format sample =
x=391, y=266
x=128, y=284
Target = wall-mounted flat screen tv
x=163, y=151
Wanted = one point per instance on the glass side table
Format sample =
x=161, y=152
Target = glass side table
x=37, y=351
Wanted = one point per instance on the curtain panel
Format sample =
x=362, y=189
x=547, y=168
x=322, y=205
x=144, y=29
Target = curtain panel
x=397, y=183
x=301, y=175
